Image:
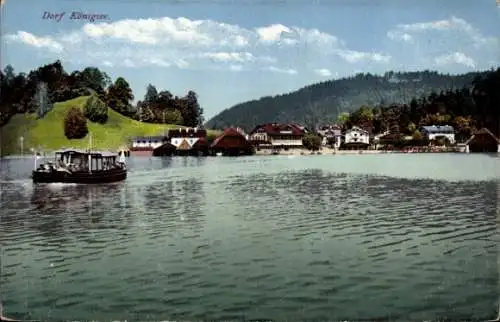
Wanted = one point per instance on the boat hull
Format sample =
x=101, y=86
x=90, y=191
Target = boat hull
x=83, y=177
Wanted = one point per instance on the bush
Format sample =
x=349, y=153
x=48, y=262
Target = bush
x=312, y=141
x=211, y=137
x=75, y=124
x=95, y=109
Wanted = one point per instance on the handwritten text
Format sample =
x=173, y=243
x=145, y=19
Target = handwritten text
x=74, y=15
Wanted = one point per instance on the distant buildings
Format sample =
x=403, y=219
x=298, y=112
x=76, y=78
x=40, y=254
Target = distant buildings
x=277, y=136
x=274, y=137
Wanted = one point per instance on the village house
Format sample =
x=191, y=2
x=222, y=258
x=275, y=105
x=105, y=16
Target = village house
x=437, y=132
x=357, y=135
x=232, y=142
x=356, y=138
x=277, y=136
x=146, y=145
x=331, y=135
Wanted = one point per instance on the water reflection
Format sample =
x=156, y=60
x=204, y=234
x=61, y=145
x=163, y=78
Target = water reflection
x=226, y=239
x=178, y=201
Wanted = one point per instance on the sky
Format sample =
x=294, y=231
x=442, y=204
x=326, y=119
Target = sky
x=229, y=51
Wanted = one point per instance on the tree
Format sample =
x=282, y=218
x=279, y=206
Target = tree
x=151, y=96
x=42, y=100
x=75, y=124
x=191, y=112
x=119, y=97
x=343, y=117
x=94, y=79
x=145, y=113
x=172, y=117
x=312, y=141
x=95, y=109
x=9, y=73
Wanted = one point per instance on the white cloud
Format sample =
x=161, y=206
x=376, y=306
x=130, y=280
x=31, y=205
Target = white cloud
x=323, y=72
x=455, y=58
x=446, y=44
x=452, y=44
x=399, y=35
x=275, y=69
x=352, y=56
x=38, y=42
x=272, y=33
x=454, y=25
x=196, y=44
x=230, y=56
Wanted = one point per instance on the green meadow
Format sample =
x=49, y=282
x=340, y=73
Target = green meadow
x=47, y=133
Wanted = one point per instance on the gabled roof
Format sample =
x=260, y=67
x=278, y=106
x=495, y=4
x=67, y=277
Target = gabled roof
x=357, y=128
x=105, y=154
x=483, y=131
x=330, y=127
x=184, y=145
x=149, y=138
x=187, y=132
x=229, y=132
x=330, y=132
x=277, y=129
x=438, y=129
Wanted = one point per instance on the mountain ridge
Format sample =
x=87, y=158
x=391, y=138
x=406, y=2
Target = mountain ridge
x=323, y=102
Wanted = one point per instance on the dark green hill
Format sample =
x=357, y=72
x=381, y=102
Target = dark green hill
x=323, y=102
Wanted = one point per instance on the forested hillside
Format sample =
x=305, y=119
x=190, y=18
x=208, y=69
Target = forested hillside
x=49, y=108
x=323, y=102
x=37, y=91
x=467, y=110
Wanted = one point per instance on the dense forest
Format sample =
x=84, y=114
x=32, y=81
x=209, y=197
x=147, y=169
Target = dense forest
x=467, y=110
x=324, y=102
x=36, y=92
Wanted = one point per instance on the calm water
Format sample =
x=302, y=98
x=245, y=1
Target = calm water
x=403, y=237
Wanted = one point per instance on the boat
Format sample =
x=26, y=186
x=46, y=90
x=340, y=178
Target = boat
x=81, y=166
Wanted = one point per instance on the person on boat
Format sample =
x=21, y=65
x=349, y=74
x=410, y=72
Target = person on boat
x=121, y=161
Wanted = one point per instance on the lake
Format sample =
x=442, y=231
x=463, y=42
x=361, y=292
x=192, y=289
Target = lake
x=393, y=236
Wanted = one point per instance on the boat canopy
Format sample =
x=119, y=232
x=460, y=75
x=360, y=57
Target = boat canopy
x=94, y=154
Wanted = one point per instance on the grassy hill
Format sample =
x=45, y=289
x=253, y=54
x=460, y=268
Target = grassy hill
x=323, y=102
x=48, y=133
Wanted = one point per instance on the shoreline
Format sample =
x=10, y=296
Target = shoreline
x=291, y=152
x=329, y=151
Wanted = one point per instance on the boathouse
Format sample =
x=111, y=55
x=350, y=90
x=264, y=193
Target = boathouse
x=277, y=136
x=483, y=141
x=189, y=141
x=231, y=142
